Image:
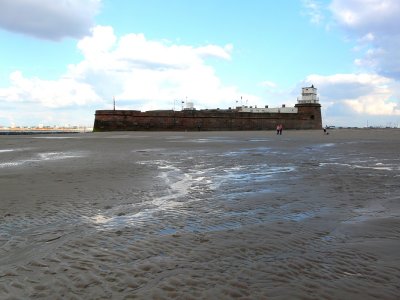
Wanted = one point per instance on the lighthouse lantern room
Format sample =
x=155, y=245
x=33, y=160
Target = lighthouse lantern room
x=308, y=95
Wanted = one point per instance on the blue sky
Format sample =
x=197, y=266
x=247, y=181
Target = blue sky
x=62, y=60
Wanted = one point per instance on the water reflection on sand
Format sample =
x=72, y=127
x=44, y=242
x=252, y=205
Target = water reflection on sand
x=199, y=215
x=187, y=191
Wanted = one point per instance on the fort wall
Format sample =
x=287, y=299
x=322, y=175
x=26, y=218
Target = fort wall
x=308, y=116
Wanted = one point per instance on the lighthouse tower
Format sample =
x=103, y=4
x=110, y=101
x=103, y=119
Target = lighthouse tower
x=309, y=109
x=308, y=95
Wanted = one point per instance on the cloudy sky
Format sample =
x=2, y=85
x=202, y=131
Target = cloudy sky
x=62, y=60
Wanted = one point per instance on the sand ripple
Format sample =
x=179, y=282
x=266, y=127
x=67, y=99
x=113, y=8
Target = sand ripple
x=201, y=217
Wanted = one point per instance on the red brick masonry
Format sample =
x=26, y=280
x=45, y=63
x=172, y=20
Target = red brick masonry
x=307, y=117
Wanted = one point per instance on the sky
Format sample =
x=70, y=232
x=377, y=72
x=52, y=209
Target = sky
x=60, y=61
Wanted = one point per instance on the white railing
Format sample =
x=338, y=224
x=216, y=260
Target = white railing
x=316, y=100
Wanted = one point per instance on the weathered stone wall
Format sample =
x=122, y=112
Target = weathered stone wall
x=308, y=117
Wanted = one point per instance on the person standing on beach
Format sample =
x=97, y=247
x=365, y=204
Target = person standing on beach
x=279, y=129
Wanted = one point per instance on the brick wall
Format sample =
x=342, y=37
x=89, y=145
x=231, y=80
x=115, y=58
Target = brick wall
x=308, y=117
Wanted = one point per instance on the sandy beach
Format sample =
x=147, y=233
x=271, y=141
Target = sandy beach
x=201, y=215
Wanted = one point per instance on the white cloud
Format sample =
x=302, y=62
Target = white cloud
x=360, y=16
x=142, y=74
x=215, y=51
x=367, y=38
x=374, y=92
x=375, y=26
x=49, y=19
x=61, y=93
x=313, y=9
x=268, y=84
x=357, y=94
x=153, y=73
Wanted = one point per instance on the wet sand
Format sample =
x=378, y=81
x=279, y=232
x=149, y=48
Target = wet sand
x=201, y=215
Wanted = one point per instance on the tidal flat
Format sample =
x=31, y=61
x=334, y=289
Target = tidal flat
x=201, y=215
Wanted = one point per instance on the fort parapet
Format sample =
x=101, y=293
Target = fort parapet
x=306, y=114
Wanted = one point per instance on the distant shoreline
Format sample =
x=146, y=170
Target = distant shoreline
x=89, y=130
x=38, y=131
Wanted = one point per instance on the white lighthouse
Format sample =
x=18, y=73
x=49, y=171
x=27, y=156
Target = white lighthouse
x=308, y=95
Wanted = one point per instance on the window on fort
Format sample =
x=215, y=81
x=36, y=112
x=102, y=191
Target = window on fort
x=312, y=117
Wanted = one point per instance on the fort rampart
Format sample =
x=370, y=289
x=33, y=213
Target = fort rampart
x=308, y=116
